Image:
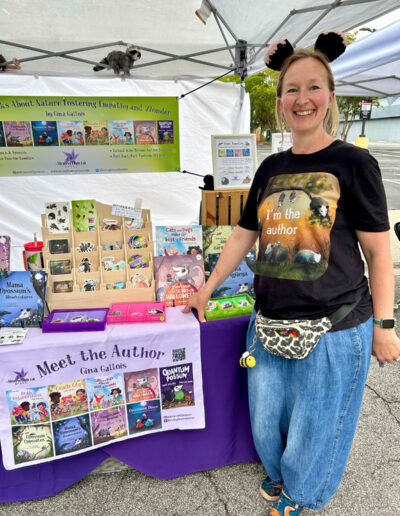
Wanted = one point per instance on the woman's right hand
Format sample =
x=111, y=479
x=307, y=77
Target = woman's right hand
x=199, y=302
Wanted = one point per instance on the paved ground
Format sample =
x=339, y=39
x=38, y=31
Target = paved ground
x=370, y=484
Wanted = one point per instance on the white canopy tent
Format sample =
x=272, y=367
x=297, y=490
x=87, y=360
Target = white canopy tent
x=58, y=45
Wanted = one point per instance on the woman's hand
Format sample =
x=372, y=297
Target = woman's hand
x=386, y=345
x=199, y=302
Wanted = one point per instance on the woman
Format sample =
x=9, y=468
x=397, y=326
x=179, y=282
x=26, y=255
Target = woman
x=310, y=207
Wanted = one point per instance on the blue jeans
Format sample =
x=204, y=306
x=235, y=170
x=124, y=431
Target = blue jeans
x=304, y=413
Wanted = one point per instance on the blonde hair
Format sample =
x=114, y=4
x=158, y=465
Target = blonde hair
x=331, y=120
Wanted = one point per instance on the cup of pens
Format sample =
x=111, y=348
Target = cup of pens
x=32, y=255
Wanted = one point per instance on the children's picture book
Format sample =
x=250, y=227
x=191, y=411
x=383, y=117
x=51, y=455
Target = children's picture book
x=5, y=248
x=173, y=240
x=178, y=277
x=2, y=136
x=58, y=216
x=144, y=416
x=214, y=239
x=105, y=391
x=28, y=406
x=145, y=132
x=165, y=129
x=71, y=133
x=240, y=281
x=121, y=132
x=142, y=385
x=68, y=399
x=177, y=386
x=18, y=134
x=84, y=215
x=108, y=424
x=73, y=434
x=22, y=298
x=32, y=443
x=96, y=132
x=45, y=133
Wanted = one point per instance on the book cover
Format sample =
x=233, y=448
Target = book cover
x=144, y=416
x=96, y=132
x=2, y=136
x=145, y=132
x=214, y=239
x=58, y=216
x=18, y=134
x=121, y=132
x=165, y=130
x=5, y=247
x=105, y=391
x=178, y=277
x=84, y=215
x=29, y=405
x=173, y=240
x=142, y=385
x=240, y=281
x=71, y=133
x=32, y=443
x=68, y=399
x=72, y=434
x=108, y=424
x=45, y=133
x=22, y=297
x=177, y=386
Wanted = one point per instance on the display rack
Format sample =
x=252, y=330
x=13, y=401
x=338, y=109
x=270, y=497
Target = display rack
x=101, y=296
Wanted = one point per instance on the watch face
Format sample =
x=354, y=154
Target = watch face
x=387, y=323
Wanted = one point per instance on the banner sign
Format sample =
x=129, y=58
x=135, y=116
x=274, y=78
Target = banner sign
x=88, y=135
x=63, y=393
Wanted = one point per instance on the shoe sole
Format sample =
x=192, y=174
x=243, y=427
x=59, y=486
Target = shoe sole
x=268, y=497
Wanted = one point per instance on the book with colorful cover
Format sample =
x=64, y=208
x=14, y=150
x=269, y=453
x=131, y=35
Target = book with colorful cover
x=96, y=132
x=22, y=298
x=173, y=240
x=105, y=391
x=177, y=386
x=240, y=281
x=2, y=137
x=45, y=133
x=145, y=132
x=165, y=129
x=121, y=132
x=28, y=406
x=68, y=399
x=84, y=215
x=71, y=133
x=32, y=442
x=108, y=424
x=178, y=277
x=214, y=239
x=18, y=134
x=72, y=435
x=144, y=416
x=142, y=385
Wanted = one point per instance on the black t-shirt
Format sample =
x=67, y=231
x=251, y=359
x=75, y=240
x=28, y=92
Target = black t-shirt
x=306, y=208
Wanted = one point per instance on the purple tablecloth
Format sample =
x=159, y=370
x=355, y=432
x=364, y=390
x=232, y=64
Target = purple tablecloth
x=225, y=440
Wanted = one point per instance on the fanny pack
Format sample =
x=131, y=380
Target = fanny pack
x=296, y=338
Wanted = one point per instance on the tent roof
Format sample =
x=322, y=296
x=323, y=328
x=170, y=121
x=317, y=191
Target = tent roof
x=166, y=29
x=371, y=66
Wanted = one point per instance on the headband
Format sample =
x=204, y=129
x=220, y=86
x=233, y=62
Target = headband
x=331, y=43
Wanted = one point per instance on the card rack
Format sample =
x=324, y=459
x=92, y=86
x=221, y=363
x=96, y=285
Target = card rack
x=103, y=240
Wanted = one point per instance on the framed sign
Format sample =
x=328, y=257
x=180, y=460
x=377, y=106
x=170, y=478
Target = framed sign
x=234, y=160
x=281, y=142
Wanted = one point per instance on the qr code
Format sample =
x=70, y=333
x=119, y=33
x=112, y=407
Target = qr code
x=178, y=354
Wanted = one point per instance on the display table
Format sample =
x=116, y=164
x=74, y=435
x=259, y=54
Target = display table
x=225, y=440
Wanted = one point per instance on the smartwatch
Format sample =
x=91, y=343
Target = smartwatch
x=387, y=324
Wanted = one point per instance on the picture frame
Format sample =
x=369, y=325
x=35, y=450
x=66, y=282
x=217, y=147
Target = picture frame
x=281, y=142
x=234, y=159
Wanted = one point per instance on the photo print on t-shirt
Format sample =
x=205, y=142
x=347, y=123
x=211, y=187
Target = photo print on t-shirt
x=296, y=215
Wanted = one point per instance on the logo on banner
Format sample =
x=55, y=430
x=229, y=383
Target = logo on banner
x=20, y=377
x=71, y=158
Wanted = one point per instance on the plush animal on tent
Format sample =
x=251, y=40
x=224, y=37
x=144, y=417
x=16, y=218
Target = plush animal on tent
x=119, y=61
x=14, y=66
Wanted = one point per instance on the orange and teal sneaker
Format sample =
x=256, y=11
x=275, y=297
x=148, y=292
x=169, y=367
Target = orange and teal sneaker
x=285, y=506
x=269, y=490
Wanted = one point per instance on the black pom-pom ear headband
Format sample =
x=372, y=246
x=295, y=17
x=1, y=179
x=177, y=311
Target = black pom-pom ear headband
x=331, y=43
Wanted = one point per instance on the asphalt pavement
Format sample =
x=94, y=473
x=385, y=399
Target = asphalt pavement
x=370, y=484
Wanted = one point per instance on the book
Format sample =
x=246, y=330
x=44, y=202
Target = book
x=142, y=385
x=121, y=132
x=214, y=239
x=71, y=133
x=96, y=132
x=68, y=399
x=18, y=134
x=28, y=406
x=32, y=442
x=45, y=133
x=71, y=435
x=145, y=132
x=173, y=240
x=177, y=386
x=109, y=424
x=165, y=129
x=178, y=277
x=240, y=281
x=22, y=297
x=2, y=137
x=105, y=391
x=84, y=215
x=58, y=217
x=5, y=248
x=144, y=416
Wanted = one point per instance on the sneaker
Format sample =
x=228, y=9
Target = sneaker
x=269, y=490
x=285, y=506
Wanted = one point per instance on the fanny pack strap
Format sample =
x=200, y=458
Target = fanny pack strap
x=342, y=312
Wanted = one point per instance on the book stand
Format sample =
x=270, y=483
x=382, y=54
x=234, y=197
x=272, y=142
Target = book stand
x=222, y=207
